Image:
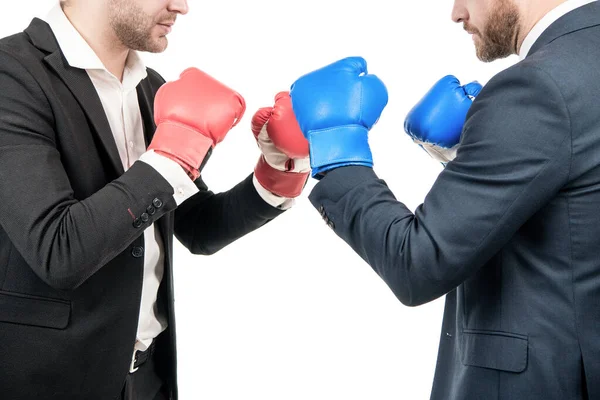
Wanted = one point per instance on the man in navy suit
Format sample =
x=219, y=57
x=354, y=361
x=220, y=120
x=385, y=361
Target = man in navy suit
x=510, y=230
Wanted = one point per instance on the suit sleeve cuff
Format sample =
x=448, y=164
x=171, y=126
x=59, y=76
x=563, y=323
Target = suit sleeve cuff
x=281, y=203
x=183, y=186
x=338, y=182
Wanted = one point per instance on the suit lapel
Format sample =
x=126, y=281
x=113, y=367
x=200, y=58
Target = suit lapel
x=80, y=85
x=146, y=102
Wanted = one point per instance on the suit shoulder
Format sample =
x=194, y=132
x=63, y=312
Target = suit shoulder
x=523, y=79
x=522, y=96
x=520, y=70
x=567, y=60
x=15, y=40
x=18, y=58
x=19, y=47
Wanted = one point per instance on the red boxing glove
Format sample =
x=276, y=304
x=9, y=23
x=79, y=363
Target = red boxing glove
x=192, y=115
x=284, y=165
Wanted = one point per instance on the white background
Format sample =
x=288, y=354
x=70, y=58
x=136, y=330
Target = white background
x=289, y=311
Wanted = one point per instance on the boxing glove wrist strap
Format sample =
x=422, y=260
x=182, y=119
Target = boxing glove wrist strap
x=339, y=146
x=281, y=183
x=184, y=144
x=438, y=153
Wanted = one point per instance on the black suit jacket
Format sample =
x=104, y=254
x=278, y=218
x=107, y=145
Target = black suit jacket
x=510, y=230
x=71, y=254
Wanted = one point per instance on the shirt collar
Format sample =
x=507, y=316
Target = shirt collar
x=548, y=20
x=78, y=52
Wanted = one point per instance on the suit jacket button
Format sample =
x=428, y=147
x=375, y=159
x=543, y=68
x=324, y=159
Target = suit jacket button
x=137, y=251
x=157, y=203
x=330, y=224
x=144, y=217
x=137, y=223
x=150, y=210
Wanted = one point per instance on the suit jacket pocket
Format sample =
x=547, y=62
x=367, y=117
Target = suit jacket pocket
x=496, y=350
x=36, y=311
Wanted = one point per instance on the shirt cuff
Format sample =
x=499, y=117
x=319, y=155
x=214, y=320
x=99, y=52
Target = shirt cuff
x=282, y=203
x=183, y=186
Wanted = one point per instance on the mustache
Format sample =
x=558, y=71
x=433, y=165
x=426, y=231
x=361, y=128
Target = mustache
x=470, y=29
x=167, y=18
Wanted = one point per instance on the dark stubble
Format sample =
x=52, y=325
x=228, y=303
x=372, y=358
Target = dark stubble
x=133, y=27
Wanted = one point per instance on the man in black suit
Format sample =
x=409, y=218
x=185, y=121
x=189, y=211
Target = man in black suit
x=510, y=231
x=88, y=212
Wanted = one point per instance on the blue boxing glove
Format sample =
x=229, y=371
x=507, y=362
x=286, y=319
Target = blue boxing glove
x=436, y=122
x=336, y=106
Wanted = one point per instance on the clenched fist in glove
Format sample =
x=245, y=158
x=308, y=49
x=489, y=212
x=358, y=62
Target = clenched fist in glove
x=192, y=115
x=284, y=165
x=436, y=122
x=336, y=106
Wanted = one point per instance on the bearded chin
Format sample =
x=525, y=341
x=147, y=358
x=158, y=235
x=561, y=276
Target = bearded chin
x=489, y=51
x=133, y=27
x=498, y=40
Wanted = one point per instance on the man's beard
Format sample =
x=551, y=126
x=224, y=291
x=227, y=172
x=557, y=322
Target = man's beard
x=133, y=27
x=499, y=34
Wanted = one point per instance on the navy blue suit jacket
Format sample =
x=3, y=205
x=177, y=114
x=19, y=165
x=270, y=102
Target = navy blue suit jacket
x=510, y=231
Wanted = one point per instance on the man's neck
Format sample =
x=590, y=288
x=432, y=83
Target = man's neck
x=100, y=37
x=531, y=14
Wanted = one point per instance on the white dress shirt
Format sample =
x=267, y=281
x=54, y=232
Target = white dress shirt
x=546, y=21
x=120, y=102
